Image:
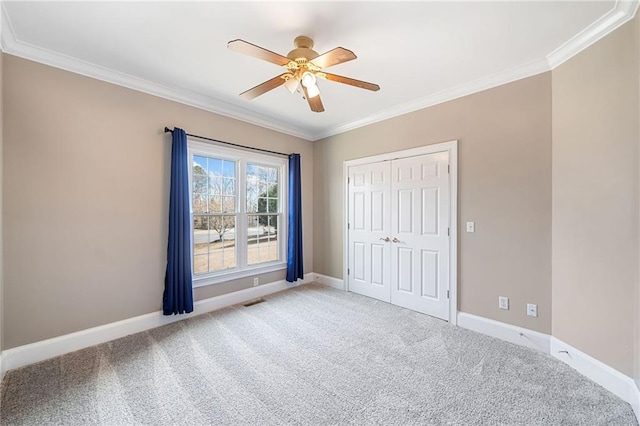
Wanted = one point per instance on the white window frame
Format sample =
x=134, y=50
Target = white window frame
x=242, y=157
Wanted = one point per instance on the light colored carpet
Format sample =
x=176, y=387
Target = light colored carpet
x=308, y=356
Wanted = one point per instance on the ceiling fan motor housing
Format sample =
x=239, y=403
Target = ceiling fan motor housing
x=304, y=50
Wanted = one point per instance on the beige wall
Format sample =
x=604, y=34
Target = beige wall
x=504, y=139
x=637, y=310
x=1, y=221
x=595, y=199
x=86, y=198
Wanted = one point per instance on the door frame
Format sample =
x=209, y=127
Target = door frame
x=452, y=148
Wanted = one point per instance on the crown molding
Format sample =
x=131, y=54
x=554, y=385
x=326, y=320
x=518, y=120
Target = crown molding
x=28, y=51
x=622, y=12
x=12, y=45
x=465, y=89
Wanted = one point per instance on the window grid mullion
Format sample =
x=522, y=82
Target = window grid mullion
x=241, y=237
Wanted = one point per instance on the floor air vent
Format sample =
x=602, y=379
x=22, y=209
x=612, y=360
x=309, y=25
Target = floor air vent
x=254, y=302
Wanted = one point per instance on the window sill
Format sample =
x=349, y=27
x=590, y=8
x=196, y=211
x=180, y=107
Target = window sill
x=234, y=275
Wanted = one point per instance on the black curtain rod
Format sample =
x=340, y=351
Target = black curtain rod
x=168, y=130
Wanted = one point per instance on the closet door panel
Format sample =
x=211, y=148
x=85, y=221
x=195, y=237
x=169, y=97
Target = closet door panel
x=369, y=223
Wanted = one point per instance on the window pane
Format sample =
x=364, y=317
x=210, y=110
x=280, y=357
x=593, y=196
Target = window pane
x=201, y=239
x=273, y=190
x=200, y=264
x=215, y=204
x=229, y=169
x=222, y=227
x=262, y=189
x=200, y=234
x=273, y=205
x=262, y=239
x=262, y=205
x=229, y=186
x=253, y=221
x=215, y=166
x=229, y=204
x=273, y=174
x=252, y=205
x=199, y=184
x=199, y=165
x=199, y=203
x=215, y=185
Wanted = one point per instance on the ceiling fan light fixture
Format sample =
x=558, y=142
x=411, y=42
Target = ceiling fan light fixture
x=308, y=79
x=291, y=85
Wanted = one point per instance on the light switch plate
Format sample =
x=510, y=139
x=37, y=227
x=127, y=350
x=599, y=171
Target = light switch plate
x=471, y=227
x=532, y=310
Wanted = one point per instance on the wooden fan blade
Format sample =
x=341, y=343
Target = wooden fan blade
x=351, y=81
x=247, y=48
x=315, y=103
x=263, y=88
x=334, y=57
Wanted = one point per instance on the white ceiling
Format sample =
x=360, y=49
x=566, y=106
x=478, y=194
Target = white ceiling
x=420, y=53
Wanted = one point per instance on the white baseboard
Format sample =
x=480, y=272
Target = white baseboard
x=609, y=378
x=45, y=349
x=510, y=333
x=329, y=281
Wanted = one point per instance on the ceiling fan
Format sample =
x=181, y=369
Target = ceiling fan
x=304, y=67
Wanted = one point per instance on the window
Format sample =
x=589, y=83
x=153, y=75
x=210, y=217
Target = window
x=237, y=206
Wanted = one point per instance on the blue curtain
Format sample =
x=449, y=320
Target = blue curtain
x=178, y=293
x=295, y=269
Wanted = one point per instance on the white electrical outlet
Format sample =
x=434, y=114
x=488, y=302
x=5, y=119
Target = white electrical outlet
x=503, y=302
x=532, y=310
x=256, y=281
x=471, y=227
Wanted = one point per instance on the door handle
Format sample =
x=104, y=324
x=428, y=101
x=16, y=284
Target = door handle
x=385, y=239
x=395, y=240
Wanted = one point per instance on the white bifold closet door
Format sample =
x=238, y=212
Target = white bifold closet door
x=398, y=232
